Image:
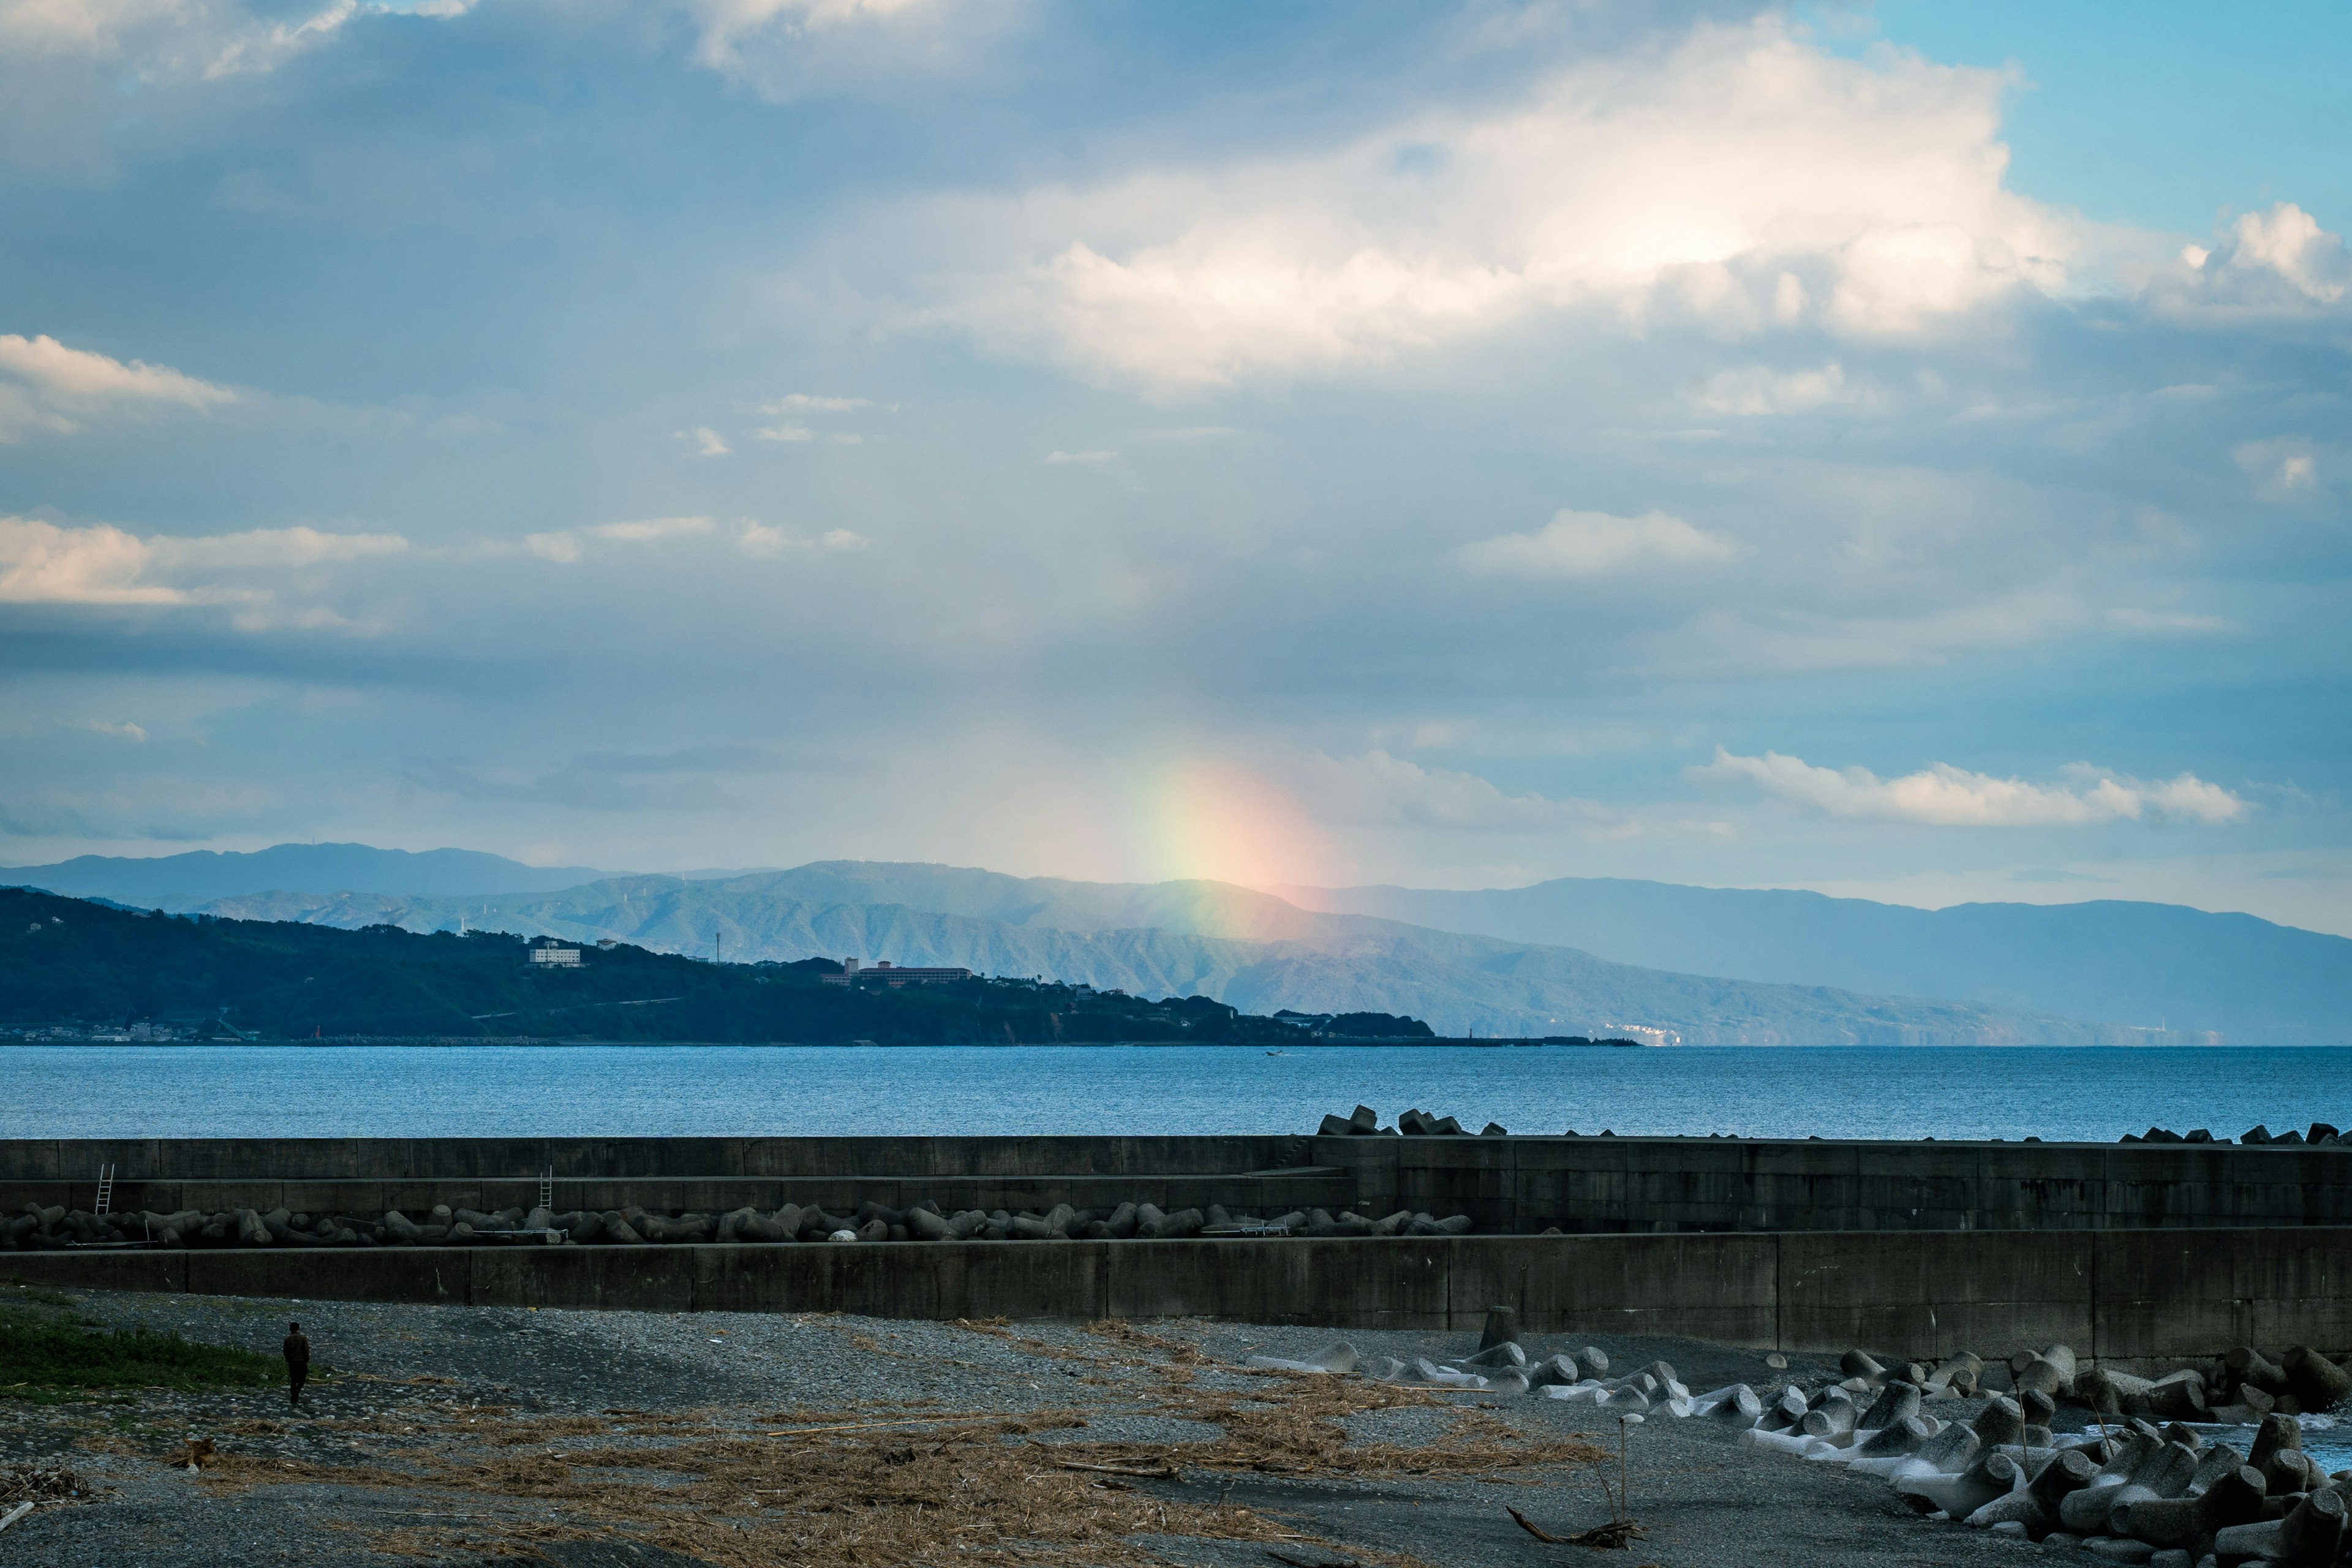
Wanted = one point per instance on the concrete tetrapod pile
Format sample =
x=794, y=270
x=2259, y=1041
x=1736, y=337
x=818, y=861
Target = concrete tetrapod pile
x=1365, y=1122
x=1501, y=1365
x=2128, y=1490
x=2256, y=1136
x=56, y=1229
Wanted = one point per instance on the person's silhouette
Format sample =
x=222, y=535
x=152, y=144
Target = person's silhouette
x=297, y=1363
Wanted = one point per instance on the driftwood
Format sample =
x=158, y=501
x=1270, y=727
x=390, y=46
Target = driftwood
x=1533, y=1529
x=1613, y=1536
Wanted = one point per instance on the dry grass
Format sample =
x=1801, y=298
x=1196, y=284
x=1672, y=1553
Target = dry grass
x=50, y=1484
x=859, y=1491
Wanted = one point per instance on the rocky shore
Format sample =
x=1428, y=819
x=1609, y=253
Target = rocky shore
x=481, y=1436
x=2135, y=1472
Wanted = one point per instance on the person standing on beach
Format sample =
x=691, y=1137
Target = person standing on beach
x=297, y=1363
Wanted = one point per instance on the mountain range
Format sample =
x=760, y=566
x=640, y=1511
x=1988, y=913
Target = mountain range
x=176, y=882
x=1578, y=956
x=2162, y=964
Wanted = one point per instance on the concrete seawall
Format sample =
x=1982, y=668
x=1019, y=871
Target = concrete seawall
x=2124, y=1297
x=1507, y=1185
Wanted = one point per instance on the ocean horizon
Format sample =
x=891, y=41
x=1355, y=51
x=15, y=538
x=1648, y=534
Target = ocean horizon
x=2069, y=1094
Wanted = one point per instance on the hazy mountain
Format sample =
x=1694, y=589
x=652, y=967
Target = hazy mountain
x=179, y=881
x=2120, y=962
x=1176, y=937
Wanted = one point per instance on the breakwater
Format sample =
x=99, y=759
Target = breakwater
x=2136, y=1251
x=1504, y=1186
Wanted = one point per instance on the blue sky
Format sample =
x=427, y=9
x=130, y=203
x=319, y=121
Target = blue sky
x=1899, y=450
x=2160, y=114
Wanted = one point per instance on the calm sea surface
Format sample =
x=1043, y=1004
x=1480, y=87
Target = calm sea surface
x=217, y=1091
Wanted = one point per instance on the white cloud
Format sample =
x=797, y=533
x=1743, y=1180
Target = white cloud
x=1756, y=390
x=266, y=46
x=760, y=539
x=39, y=28
x=164, y=38
x=653, y=528
x=707, y=443
x=728, y=25
x=125, y=731
x=1744, y=175
x=785, y=50
x=564, y=546
x=97, y=565
x=79, y=376
x=2279, y=262
x=804, y=404
x=2285, y=470
x=1095, y=457
x=271, y=549
x=1378, y=788
x=811, y=402
x=1946, y=796
x=1592, y=543
x=52, y=387
x=43, y=563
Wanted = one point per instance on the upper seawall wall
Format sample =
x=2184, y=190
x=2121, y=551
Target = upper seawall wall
x=1505, y=1185
x=1662, y=1184
x=425, y=1159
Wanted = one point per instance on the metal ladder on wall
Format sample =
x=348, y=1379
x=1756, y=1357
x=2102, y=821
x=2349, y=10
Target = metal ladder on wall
x=547, y=1189
x=105, y=1189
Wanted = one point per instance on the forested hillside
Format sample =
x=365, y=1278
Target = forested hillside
x=62, y=959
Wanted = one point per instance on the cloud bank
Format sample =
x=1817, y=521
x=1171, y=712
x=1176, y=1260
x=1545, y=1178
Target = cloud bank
x=54, y=388
x=1738, y=176
x=1595, y=543
x=1944, y=797
x=99, y=564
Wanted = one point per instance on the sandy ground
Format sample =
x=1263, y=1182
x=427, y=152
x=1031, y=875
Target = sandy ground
x=603, y=1439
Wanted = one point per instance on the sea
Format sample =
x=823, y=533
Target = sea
x=2057, y=1094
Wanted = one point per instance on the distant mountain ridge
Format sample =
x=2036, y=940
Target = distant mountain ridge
x=177, y=882
x=1248, y=949
x=2135, y=971
x=2123, y=962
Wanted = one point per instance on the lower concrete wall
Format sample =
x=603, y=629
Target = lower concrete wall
x=2128, y=1296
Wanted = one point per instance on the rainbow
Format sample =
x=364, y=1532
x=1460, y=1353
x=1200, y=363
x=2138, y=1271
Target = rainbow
x=1222, y=822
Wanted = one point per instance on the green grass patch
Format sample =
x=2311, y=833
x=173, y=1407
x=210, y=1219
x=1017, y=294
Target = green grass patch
x=26, y=1293
x=41, y=1357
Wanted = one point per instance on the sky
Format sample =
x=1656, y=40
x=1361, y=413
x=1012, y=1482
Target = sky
x=1898, y=451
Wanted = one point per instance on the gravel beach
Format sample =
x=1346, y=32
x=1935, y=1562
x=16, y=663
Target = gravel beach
x=478, y=1435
